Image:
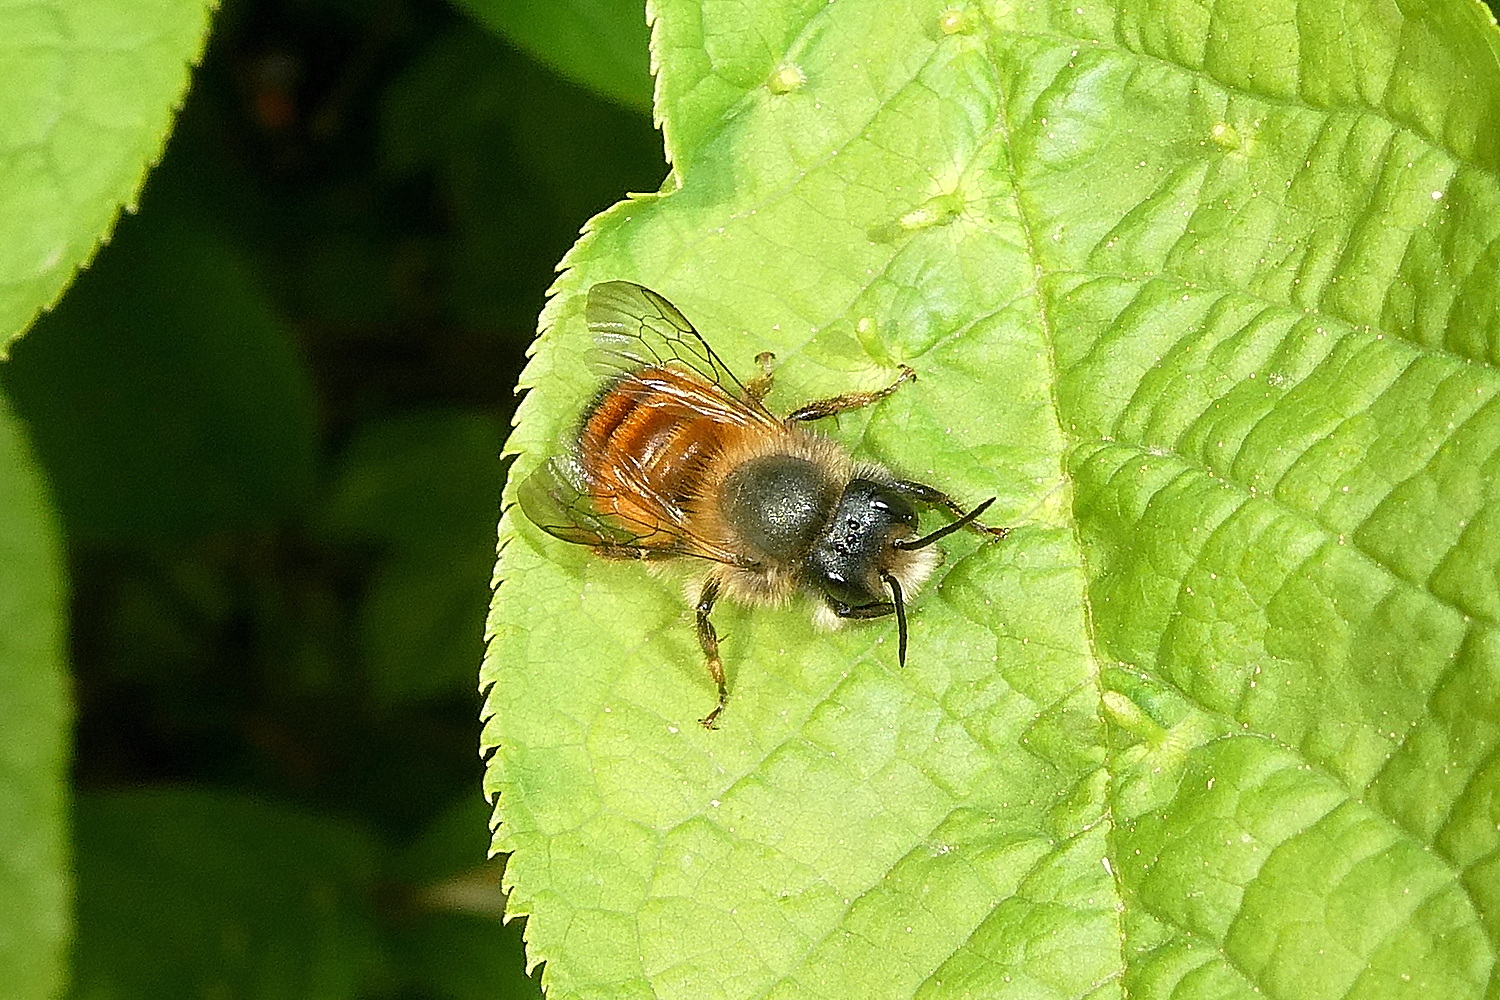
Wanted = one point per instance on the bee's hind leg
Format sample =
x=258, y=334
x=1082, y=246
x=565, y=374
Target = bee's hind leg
x=708, y=639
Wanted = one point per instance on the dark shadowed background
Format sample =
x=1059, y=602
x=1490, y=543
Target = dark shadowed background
x=271, y=413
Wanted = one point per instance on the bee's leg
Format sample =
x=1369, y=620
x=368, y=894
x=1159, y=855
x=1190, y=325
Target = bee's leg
x=931, y=497
x=709, y=640
x=760, y=386
x=877, y=610
x=833, y=405
x=611, y=551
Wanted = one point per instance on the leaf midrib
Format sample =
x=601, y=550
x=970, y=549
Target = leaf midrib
x=1005, y=132
x=1030, y=251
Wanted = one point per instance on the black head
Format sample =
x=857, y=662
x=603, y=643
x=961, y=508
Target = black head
x=847, y=561
x=867, y=552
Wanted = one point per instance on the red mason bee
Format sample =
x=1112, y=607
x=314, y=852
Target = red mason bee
x=676, y=458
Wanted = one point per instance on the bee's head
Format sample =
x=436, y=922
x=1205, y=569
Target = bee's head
x=858, y=562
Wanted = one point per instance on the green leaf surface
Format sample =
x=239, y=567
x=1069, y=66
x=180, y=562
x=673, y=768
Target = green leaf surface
x=34, y=728
x=1206, y=296
x=600, y=44
x=88, y=89
x=184, y=893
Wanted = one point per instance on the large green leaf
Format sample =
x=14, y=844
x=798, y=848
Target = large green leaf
x=1205, y=294
x=87, y=93
x=34, y=732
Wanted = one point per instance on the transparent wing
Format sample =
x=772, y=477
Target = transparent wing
x=686, y=394
x=635, y=327
x=553, y=500
x=655, y=356
x=630, y=520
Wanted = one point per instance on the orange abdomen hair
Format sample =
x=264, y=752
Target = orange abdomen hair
x=648, y=431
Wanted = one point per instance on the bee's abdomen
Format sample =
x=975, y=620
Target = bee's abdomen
x=631, y=437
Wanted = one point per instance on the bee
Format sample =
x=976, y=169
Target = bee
x=676, y=458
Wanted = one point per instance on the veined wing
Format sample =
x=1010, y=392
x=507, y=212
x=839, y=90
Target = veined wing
x=635, y=328
x=628, y=519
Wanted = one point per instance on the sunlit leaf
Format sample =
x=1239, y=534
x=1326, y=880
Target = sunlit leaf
x=88, y=89
x=1205, y=296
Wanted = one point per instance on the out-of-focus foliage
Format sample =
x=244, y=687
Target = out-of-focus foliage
x=598, y=43
x=190, y=893
x=34, y=716
x=167, y=396
x=270, y=414
x=448, y=941
x=87, y=93
x=420, y=490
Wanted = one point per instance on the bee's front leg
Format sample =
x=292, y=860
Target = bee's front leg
x=834, y=405
x=931, y=497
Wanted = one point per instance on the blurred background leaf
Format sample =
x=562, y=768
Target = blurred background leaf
x=34, y=716
x=451, y=941
x=420, y=490
x=192, y=893
x=168, y=398
x=600, y=44
x=271, y=413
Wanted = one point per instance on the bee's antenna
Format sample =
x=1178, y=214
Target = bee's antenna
x=900, y=616
x=945, y=530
